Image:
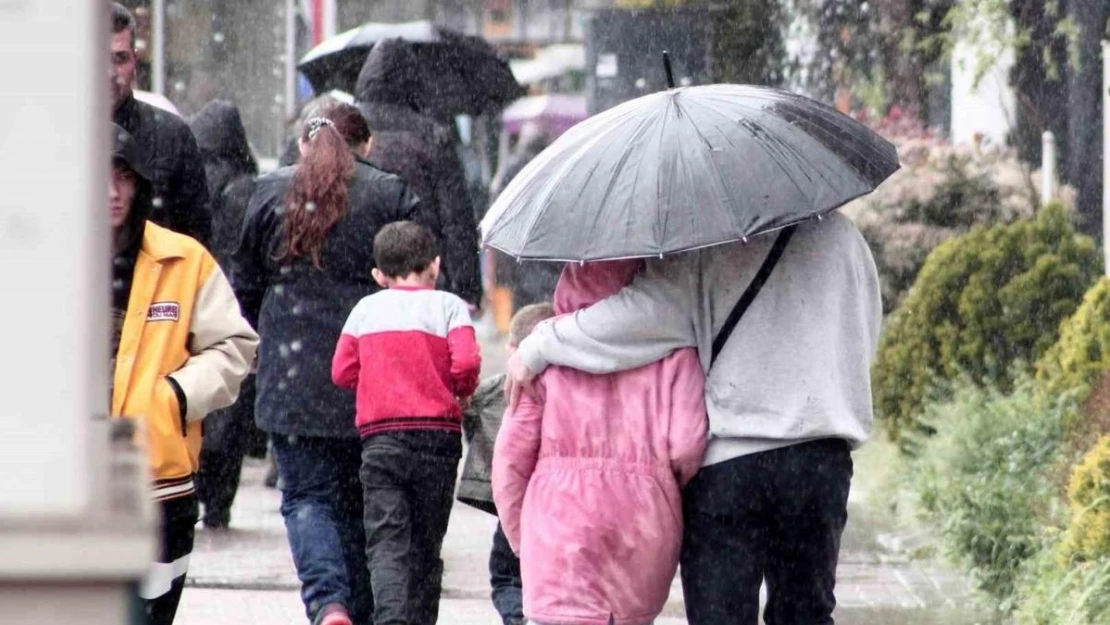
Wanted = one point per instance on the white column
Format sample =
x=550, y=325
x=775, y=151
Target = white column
x=158, y=47
x=290, y=63
x=72, y=535
x=1106, y=156
x=1048, y=168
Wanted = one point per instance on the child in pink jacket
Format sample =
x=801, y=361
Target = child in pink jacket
x=587, y=481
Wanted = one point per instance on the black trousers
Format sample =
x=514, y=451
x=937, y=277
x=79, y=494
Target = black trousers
x=229, y=435
x=408, y=485
x=776, y=516
x=166, y=580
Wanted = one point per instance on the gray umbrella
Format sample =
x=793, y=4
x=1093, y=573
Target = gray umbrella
x=683, y=169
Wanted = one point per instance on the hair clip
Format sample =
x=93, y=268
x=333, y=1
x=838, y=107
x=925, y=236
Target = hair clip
x=315, y=124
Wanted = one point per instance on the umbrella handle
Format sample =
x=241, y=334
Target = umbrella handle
x=667, y=68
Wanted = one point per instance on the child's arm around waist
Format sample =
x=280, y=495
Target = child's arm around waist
x=689, y=431
x=514, y=461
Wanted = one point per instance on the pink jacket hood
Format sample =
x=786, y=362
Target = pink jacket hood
x=587, y=481
x=581, y=286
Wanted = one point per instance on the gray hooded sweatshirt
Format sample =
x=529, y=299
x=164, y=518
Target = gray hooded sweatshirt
x=797, y=367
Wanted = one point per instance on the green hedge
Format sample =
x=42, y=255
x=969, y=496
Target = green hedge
x=1082, y=355
x=984, y=304
x=1088, y=536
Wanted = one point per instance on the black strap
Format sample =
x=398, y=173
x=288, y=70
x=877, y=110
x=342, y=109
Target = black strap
x=753, y=289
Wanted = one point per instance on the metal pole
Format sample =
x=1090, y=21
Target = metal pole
x=1106, y=156
x=1048, y=168
x=290, y=60
x=158, y=47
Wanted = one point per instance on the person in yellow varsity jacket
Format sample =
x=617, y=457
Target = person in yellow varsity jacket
x=180, y=349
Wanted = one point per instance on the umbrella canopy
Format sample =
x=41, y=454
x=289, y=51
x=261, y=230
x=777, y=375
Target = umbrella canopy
x=555, y=112
x=451, y=73
x=335, y=63
x=684, y=169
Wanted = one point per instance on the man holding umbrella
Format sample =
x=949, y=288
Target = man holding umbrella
x=788, y=394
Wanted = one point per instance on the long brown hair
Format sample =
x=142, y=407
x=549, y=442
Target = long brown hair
x=318, y=198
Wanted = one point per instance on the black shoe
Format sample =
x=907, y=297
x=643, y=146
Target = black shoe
x=217, y=519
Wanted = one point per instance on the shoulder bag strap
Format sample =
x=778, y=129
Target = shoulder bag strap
x=753, y=289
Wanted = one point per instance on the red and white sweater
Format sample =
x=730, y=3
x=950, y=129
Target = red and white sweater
x=409, y=353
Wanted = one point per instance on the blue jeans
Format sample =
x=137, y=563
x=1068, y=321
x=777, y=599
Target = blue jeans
x=321, y=501
x=504, y=579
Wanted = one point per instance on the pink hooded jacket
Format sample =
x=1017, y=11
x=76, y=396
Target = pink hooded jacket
x=587, y=482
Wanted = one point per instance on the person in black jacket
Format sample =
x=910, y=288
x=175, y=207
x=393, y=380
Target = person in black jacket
x=304, y=260
x=531, y=282
x=229, y=434
x=181, y=194
x=422, y=151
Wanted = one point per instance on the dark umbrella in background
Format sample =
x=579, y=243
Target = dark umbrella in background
x=684, y=169
x=449, y=73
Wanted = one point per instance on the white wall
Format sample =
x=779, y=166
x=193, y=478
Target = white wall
x=982, y=100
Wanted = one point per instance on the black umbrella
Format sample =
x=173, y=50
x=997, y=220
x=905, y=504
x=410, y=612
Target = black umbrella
x=683, y=169
x=451, y=73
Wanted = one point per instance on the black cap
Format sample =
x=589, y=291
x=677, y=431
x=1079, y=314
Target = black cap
x=128, y=152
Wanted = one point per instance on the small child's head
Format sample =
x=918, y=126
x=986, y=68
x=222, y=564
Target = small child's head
x=405, y=254
x=525, y=320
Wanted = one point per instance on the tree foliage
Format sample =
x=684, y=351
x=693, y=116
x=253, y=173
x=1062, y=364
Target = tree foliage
x=985, y=305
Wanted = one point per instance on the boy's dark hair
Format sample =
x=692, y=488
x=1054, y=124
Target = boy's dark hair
x=526, y=319
x=403, y=248
x=123, y=20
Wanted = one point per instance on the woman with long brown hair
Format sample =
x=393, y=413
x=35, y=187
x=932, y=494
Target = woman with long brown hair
x=303, y=262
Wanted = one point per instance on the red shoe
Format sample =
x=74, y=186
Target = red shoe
x=335, y=615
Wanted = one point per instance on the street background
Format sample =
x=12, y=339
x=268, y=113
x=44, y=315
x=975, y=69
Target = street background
x=245, y=575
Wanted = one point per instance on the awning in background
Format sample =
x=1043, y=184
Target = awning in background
x=555, y=113
x=550, y=62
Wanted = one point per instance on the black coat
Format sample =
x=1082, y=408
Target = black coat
x=181, y=193
x=299, y=310
x=230, y=170
x=531, y=282
x=422, y=151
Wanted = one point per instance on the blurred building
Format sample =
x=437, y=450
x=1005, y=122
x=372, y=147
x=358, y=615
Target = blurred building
x=235, y=49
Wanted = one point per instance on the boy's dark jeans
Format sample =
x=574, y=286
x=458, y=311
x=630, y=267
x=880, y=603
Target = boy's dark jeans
x=776, y=515
x=321, y=501
x=504, y=579
x=408, y=485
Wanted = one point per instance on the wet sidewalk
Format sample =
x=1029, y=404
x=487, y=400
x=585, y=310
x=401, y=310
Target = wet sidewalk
x=875, y=585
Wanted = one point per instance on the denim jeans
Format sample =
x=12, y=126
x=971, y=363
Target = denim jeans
x=408, y=481
x=321, y=501
x=504, y=579
x=775, y=516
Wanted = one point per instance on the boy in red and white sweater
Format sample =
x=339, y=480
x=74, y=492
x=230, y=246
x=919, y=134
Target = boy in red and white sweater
x=410, y=354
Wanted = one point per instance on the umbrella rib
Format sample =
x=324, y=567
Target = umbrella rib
x=719, y=178
x=763, y=147
x=597, y=137
x=812, y=130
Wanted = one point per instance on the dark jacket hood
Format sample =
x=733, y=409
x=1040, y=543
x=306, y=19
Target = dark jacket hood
x=126, y=151
x=220, y=134
x=391, y=75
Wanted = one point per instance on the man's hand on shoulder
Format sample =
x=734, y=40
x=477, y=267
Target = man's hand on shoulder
x=519, y=379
